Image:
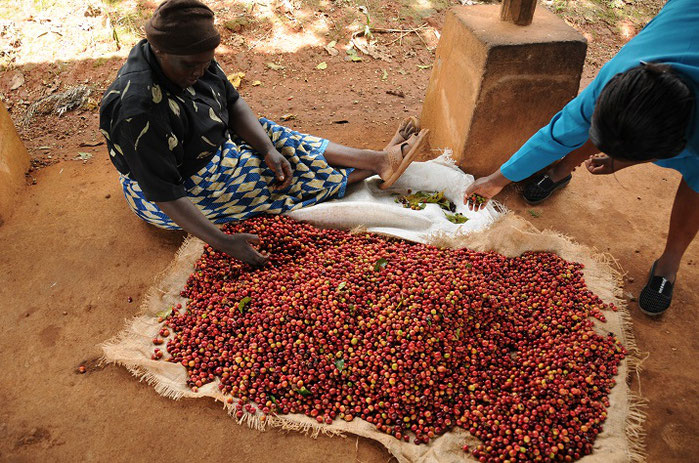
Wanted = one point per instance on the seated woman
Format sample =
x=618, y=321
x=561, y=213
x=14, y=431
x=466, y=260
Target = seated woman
x=640, y=108
x=191, y=153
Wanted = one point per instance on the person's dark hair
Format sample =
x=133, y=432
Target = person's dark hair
x=642, y=114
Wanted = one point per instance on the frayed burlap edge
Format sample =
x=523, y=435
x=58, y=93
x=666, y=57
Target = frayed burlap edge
x=621, y=441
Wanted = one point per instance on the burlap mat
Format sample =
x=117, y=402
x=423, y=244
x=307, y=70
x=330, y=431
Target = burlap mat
x=621, y=440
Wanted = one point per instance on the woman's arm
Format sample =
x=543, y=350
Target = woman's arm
x=185, y=214
x=565, y=133
x=492, y=184
x=245, y=124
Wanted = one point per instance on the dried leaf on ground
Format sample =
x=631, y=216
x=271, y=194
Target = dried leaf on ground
x=256, y=83
x=236, y=78
x=288, y=117
x=17, y=81
x=322, y=66
x=330, y=48
x=274, y=66
x=237, y=24
x=372, y=48
x=352, y=55
x=82, y=156
x=91, y=104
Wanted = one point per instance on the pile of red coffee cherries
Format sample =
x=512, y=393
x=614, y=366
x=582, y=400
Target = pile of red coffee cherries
x=411, y=338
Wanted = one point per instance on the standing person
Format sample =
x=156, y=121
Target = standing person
x=190, y=152
x=640, y=108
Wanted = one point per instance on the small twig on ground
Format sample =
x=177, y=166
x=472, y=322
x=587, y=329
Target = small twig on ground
x=400, y=37
x=402, y=32
x=392, y=31
x=46, y=32
x=423, y=40
x=258, y=41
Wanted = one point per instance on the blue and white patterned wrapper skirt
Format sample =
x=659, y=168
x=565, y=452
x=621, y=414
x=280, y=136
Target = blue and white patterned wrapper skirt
x=236, y=184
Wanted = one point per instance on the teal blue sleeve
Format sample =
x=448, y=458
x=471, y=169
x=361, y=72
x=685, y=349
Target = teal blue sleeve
x=686, y=163
x=567, y=131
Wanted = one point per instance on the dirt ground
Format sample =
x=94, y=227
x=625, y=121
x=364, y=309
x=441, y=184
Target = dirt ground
x=73, y=256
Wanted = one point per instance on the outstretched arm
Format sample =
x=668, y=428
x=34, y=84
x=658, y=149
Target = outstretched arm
x=566, y=133
x=185, y=214
x=492, y=184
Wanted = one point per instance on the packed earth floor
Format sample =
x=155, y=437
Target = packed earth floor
x=75, y=262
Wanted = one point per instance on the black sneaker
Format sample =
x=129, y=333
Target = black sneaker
x=656, y=295
x=541, y=187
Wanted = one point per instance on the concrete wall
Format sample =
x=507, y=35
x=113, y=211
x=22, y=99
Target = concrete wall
x=14, y=162
x=494, y=84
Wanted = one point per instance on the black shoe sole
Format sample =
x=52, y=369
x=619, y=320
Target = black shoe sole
x=559, y=185
x=652, y=314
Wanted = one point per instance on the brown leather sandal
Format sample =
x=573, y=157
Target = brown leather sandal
x=399, y=162
x=409, y=126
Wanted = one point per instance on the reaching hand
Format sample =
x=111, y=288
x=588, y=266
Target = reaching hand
x=281, y=168
x=487, y=187
x=600, y=164
x=238, y=246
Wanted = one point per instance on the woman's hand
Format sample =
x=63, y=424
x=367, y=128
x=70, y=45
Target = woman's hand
x=281, y=168
x=487, y=187
x=600, y=164
x=185, y=214
x=239, y=246
x=245, y=124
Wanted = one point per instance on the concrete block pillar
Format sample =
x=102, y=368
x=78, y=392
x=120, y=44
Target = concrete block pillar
x=495, y=83
x=14, y=162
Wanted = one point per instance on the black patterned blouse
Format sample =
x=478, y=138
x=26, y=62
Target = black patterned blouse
x=159, y=134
